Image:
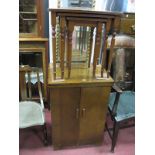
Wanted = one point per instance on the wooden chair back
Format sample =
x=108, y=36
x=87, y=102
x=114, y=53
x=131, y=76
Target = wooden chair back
x=25, y=85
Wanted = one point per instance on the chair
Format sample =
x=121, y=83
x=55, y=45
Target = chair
x=121, y=104
x=121, y=107
x=31, y=112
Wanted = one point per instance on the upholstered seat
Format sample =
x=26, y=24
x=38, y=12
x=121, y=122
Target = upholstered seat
x=30, y=114
x=126, y=105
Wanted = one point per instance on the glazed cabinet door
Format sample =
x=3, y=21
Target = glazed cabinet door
x=30, y=18
x=93, y=108
x=65, y=116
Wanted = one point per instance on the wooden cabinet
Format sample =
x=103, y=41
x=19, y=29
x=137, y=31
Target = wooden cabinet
x=78, y=115
x=34, y=52
x=33, y=47
x=79, y=91
x=78, y=109
x=30, y=18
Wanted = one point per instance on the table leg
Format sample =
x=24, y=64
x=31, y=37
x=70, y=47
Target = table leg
x=70, y=31
x=53, y=20
x=107, y=28
x=62, y=46
x=111, y=54
x=90, y=40
x=116, y=26
x=97, y=46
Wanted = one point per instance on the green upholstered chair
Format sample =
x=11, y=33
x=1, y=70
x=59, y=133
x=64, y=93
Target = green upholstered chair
x=122, y=109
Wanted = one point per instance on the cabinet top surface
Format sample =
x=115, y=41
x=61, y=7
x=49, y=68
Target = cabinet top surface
x=80, y=75
x=84, y=10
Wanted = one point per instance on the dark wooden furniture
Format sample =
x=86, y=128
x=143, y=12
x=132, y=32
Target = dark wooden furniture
x=31, y=106
x=34, y=52
x=83, y=17
x=78, y=107
x=122, y=100
x=122, y=110
x=31, y=18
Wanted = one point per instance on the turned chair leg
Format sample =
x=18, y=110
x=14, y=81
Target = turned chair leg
x=115, y=135
x=45, y=135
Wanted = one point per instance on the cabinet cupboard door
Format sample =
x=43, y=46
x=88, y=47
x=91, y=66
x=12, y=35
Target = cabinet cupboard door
x=93, y=107
x=65, y=116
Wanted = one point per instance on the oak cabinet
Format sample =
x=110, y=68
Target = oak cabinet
x=79, y=90
x=78, y=115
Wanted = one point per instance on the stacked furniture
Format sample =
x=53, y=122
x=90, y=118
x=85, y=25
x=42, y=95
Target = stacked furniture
x=33, y=46
x=79, y=91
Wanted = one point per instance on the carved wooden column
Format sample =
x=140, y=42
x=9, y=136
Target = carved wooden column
x=53, y=20
x=57, y=38
x=90, y=41
x=97, y=46
x=62, y=46
x=69, y=52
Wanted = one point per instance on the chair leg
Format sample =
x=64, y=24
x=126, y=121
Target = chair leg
x=45, y=135
x=115, y=135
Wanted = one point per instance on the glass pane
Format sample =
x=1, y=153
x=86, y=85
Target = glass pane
x=27, y=16
x=33, y=59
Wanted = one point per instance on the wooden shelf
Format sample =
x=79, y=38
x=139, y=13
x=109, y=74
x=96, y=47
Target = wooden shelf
x=25, y=12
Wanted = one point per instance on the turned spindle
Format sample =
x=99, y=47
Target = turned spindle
x=107, y=28
x=97, y=46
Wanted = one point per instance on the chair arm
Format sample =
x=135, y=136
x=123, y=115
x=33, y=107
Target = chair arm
x=116, y=101
x=117, y=88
